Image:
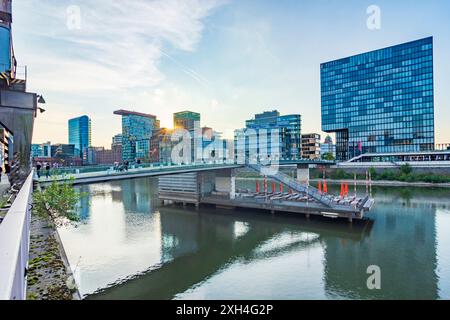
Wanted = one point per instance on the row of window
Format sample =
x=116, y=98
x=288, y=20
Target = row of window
x=413, y=69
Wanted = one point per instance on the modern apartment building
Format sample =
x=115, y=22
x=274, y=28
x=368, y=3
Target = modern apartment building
x=311, y=146
x=381, y=101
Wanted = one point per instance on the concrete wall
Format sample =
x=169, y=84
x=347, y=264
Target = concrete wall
x=17, y=112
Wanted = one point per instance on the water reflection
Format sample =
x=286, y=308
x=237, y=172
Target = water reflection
x=131, y=249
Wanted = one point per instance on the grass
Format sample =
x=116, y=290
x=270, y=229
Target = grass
x=403, y=174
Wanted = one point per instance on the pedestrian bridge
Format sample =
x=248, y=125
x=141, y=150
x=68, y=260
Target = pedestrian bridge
x=95, y=174
x=103, y=174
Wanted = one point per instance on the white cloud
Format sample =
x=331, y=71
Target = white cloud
x=118, y=46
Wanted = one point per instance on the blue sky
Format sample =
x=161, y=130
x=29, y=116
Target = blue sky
x=225, y=59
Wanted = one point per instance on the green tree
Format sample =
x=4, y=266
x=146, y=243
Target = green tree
x=58, y=201
x=328, y=156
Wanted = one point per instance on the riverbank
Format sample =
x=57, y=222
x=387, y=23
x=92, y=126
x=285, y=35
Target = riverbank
x=386, y=183
x=49, y=274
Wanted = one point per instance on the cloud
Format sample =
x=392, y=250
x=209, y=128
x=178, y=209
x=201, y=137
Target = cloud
x=118, y=45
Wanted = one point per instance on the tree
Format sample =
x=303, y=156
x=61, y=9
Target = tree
x=58, y=201
x=328, y=156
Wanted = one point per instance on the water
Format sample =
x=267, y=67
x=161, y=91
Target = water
x=128, y=248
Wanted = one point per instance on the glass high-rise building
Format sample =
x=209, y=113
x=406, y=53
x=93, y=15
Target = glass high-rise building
x=137, y=130
x=80, y=135
x=269, y=136
x=380, y=101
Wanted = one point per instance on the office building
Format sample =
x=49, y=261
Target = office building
x=269, y=137
x=161, y=146
x=41, y=150
x=186, y=120
x=64, y=151
x=311, y=146
x=137, y=130
x=381, y=101
x=80, y=135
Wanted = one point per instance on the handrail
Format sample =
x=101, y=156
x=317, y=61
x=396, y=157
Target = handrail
x=14, y=245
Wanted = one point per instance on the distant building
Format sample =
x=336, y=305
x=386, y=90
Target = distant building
x=64, y=151
x=92, y=154
x=381, y=101
x=161, y=146
x=37, y=151
x=102, y=156
x=186, y=120
x=80, y=135
x=269, y=136
x=328, y=147
x=311, y=146
x=41, y=150
x=137, y=130
x=117, y=140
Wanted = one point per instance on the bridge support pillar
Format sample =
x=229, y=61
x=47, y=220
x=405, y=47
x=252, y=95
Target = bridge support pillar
x=233, y=186
x=303, y=173
x=225, y=183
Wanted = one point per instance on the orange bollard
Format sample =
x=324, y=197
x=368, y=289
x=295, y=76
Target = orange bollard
x=325, y=187
x=320, y=186
x=281, y=188
x=274, y=187
x=257, y=186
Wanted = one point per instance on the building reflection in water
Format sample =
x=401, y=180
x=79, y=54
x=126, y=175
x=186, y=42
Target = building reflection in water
x=226, y=254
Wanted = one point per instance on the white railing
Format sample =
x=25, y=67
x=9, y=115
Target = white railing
x=14, y=245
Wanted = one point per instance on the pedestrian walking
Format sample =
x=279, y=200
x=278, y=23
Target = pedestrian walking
x=38, y=169
x=47, y=171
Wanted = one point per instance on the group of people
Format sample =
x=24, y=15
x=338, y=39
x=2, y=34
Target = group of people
x=121, y=167
x=45, y=166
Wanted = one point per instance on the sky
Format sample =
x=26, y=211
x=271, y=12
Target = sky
x=227, y=59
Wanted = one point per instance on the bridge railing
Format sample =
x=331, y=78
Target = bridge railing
x=111, y=168
x=14, y=245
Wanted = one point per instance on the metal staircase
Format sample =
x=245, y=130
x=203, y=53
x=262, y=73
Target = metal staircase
x=293, y=184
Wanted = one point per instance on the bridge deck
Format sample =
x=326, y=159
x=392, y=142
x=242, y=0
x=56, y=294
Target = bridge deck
x=111, y=175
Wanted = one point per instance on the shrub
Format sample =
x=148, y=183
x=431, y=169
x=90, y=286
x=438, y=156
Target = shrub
x=406, y=169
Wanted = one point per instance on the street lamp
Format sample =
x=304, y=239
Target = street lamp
x=41, y=100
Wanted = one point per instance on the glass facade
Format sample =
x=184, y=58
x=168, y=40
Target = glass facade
x=186, y=120
x=137, y=130
x=380, y=101
x=269, y=136
x=80, y=135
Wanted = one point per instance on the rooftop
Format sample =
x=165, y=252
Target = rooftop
x=122, y=112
